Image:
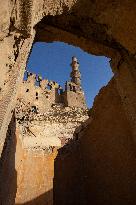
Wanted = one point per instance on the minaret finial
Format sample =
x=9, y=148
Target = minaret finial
x=75, y=74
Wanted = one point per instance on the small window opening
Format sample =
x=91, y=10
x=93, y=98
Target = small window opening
x=37, y=83
x=48, y=87
x=74, y=88
x=36, y=95
x=60, y=91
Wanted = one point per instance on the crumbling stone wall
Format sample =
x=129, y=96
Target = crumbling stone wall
x=39, y=136
x=44, y=93
x=109, y=151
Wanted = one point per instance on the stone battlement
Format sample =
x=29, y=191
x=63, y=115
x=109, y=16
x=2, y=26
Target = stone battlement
x=41, y=94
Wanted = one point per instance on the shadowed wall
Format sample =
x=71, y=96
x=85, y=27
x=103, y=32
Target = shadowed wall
x=99, y=168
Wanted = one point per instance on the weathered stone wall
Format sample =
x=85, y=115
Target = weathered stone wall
x=76, y=99
x=39, y=137
x=43, y=94
x=26, y=175
x=11, y=77
x=35, y=171
x=98, y=167
x=40, y=95
x=109, y=152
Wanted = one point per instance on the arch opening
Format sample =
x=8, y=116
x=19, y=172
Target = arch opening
x=53, y=64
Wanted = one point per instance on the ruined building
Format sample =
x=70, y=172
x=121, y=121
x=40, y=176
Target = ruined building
x=99, y=166
x=49, y=93
x=46, y=118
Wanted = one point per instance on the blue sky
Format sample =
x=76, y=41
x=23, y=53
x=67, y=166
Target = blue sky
x=52, y=61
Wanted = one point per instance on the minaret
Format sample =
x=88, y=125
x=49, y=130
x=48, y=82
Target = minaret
x=74, y=94
x=75, y=74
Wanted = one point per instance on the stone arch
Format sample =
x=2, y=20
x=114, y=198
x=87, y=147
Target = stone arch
x=97, y=42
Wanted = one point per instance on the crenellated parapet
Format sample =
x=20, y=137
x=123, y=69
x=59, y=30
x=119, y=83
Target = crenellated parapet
x=44, y=84
x=42, y=94
x=31, y=78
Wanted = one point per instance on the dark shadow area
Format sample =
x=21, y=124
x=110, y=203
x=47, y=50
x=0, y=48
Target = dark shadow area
x=8, y=175
x=75, y=28
x=69, y=186
x=44, y=199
